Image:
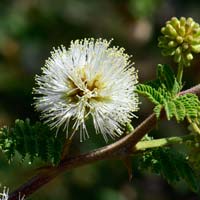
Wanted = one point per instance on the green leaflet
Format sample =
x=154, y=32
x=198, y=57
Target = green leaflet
x=164, y=88
x=170, y=164
x=180, y=110
x=191, y=104
x=34, y=141
x=163, y=92
x=167, y=79
x=157, y=110
x=151, y=93
x=170, y=109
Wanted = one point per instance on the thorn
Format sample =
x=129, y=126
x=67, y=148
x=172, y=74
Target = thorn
x=128, y=165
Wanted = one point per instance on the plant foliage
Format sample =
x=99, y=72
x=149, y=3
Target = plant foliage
x=33, y=140
x=170, y=164
x=163, y=92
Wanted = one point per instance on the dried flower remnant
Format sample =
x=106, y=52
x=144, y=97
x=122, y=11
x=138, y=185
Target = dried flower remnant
x=88, y=79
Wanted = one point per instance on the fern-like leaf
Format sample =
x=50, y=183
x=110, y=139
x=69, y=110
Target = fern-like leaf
x=180, y=110
x=170, y=109
x=191, y=104
x=157, y=110
x=163, y=92
x=168, y=79
x=181, y=107
x=152, y=94
x=33, y=140
x=170, y=164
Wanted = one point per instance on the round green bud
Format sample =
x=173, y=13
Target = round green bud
x=185, y=46
x=196, y=145
x=172, y=44
x=182, y=21
x=180, y=39
x=182, y=31
x=196, y=48
x=171, y=30
x=189, y=56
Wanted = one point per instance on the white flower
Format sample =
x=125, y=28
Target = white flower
x=88, y=79
x=5, y=196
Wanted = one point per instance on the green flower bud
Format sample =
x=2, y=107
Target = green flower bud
x=189, y=56
x=196, y=48
x=180, y=39
x=172, y=44
x=182, y=31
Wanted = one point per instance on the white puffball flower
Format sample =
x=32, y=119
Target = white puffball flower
x=4, y=195
x=88, y=79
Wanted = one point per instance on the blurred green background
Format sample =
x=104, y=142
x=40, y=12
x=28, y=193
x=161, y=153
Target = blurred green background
x=29, y=29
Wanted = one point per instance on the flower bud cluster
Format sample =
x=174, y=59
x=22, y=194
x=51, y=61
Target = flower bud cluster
x=181, y=38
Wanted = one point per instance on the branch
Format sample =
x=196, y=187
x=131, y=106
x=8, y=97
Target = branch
x=194, y=90
x=119, y=149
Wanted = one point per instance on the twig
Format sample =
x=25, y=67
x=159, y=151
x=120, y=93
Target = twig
x=143, y=145
x=194, y=90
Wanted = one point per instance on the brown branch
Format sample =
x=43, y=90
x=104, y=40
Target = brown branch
x=118, y=149
x=194, y=90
